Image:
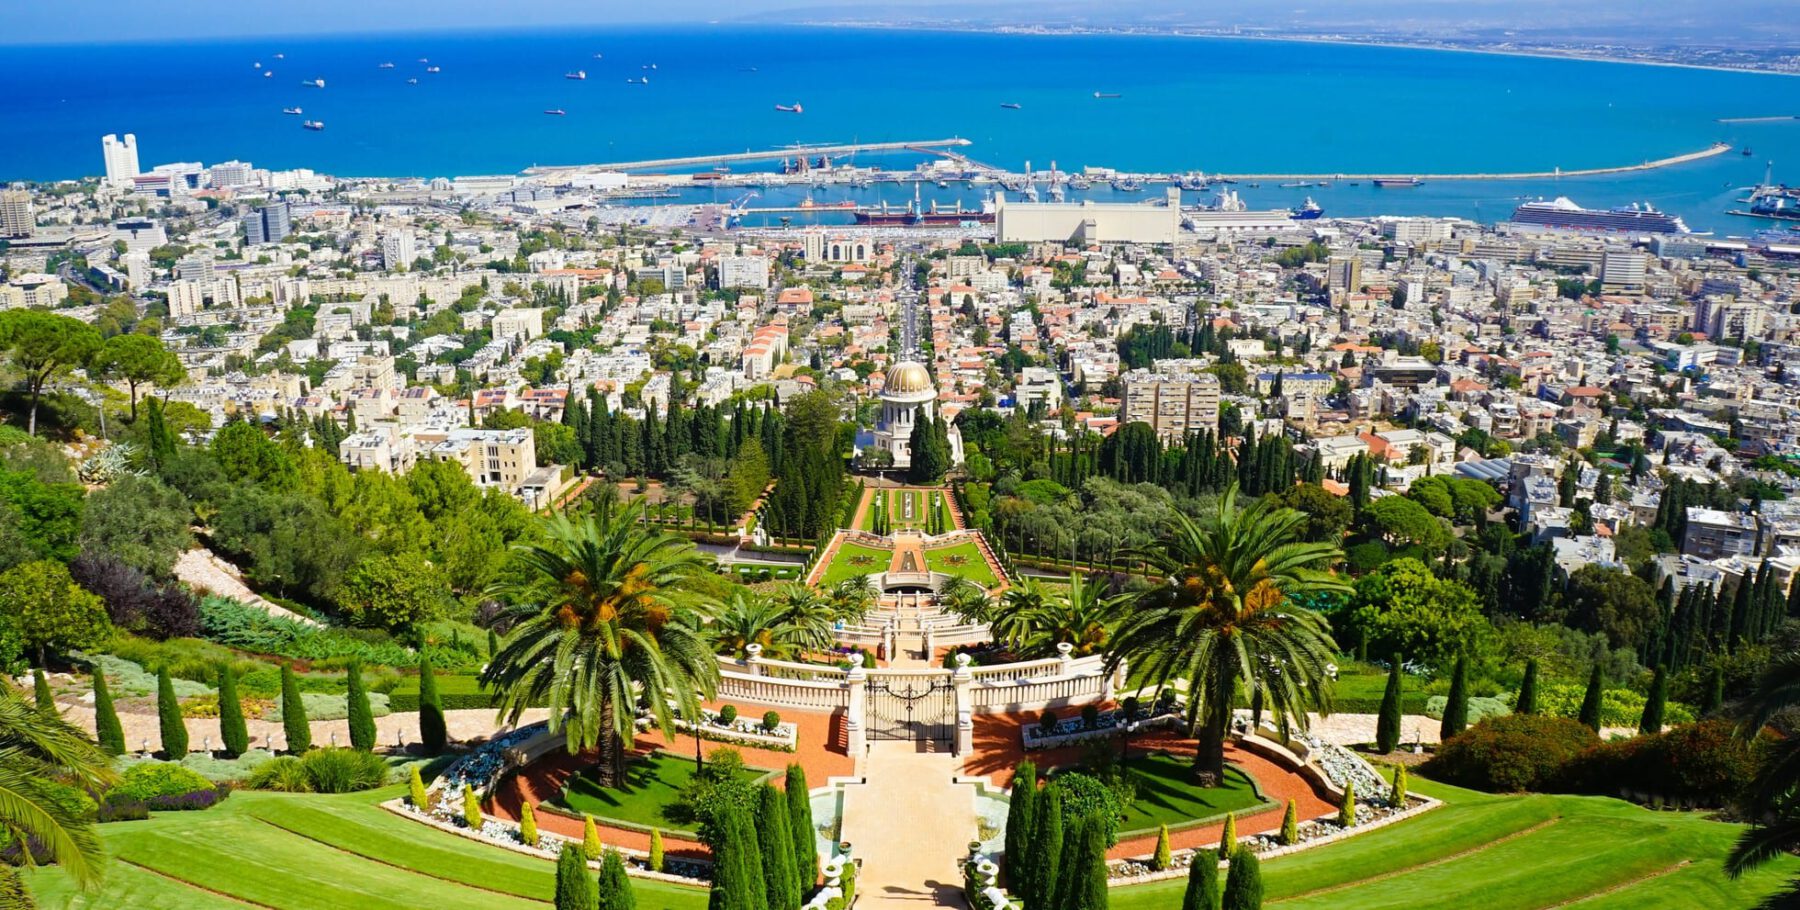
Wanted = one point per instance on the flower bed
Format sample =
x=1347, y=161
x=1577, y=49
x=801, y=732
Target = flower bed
x=1106, y=723
x=744, y=730
x=482, y=768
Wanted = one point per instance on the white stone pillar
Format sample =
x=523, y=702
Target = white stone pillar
x=753, y=662
x=925, y=638
x=856, y=679
x=1065, y=653
x=963, y=682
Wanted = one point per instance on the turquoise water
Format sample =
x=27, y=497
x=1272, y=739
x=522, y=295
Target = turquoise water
x=1186, y=104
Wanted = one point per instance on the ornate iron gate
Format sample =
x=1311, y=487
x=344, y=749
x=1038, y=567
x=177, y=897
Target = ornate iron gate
x=917, y=710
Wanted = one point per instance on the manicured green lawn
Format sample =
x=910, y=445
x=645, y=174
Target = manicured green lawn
x=1510, y=853
x=962, y=559
x=1166, y=794
x=301, y=852
x=651, y=786
x=844, y=564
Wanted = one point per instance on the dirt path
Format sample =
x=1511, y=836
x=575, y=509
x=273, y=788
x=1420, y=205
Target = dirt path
x=205, y=571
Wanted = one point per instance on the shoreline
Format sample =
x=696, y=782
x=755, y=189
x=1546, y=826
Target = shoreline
x=1077, y=32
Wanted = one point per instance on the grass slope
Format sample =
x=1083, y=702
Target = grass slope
x=843, y=567
x=1167, y=795
x=652, y=785
x=962, y=559
x=301, y=852
x=1510, y=853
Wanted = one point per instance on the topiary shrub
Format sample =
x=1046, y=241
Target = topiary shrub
x=1290, y=825
x=415, y=789
x=343, y=770
x=1090, y=716
x=1164, y=857
x=727, y=714
x=656, y=850
x=1514, y=753
x=591, y=847
x=1047, y=722
x=168, y=718
x=528, y=832
x=108, y=731
x=471, y=816
x=771, y=721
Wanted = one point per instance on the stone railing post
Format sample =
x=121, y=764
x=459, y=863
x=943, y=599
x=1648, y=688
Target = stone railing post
x=925, y=638
x=962, y=682
x=1065, y=652
x=1116, y=681
x=857, y=679
x=753, y=660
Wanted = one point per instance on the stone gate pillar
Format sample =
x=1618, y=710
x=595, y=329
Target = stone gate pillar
x=963, y=683
x=856, y=680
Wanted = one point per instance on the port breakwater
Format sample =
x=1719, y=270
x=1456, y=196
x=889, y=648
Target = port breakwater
x=848, y=148
x=1717, y=148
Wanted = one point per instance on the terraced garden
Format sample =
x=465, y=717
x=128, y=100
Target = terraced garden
x=309, y=852
x=963, y=559
x=853, y=559
x=1511, y=853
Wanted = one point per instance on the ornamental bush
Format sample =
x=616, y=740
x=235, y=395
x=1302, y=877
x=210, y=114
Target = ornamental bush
x=362, y=722
x=233, y=733
x=1021, y=820
x=472, y=810
x=168, y=718
x=1514, y=753
x=727, y=714
x=771, y=720
x=1164, y=858
x=528, y=832
x=800, y=826
x=1347, y=808
x=343, y=770
x=1084, y=795
x=107, y=730
x=615, y=885
x=591, y=848
x=1228, y=836
x=415, y=789
x=40, y=690
x=1290, y=825
x=656, y=850
x=1703, y=762
x=432, y=729
x=1047, y=722
x=1203, y=883
x=1243, y=882
x=574, y=889
x=1399, y=794
x=151, y=780
x=284, y=774
x=294, y=727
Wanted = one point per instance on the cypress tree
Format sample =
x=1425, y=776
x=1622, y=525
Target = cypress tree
x=1243, y=882
x=107, y=731
x=800, y=827
x=233, y=733
x=1039, y=887
x=738, y=864
x=656, y=849
x=1021, y=820
x=293, y=714
x=1203, y=883
x=1590, y=702
x=1652, y=721
x=1347, y=808
x=528, y=832
x=1526, y=703
x=432, y=731
x=1715, y=688
x=615, y=885
x=1456, y=706
x=1399, y=797
x=168, y=717
x=591, y=847
x=1290, y=825
x=471, y=809
x=574, y=890
x=1087, y=886
x=40, y=690
x=1164, y=856
x=779, y=881
x=1228, y=836
x=1387, y=723
x=362, y=720
x=1070, y=874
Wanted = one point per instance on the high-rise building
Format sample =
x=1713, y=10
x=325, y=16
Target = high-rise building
x=1176, y=400
x=1344, y=273
x=121, y=158
x=227, y=174
x=1622, y=271
x=16, y=219
x=269, y=224
x=397, y=250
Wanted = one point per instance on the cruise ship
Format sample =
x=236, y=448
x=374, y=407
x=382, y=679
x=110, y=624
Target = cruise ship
x=1563, y=214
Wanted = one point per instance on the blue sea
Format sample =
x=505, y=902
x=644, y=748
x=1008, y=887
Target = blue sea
x=1216, y=105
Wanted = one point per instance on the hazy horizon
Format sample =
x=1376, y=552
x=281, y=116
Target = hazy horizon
x=1762, y=22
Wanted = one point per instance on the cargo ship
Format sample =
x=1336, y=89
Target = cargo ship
x=1308, y=212
x=794, y=108
x=1564, y=214
x=1009, y=105
x=578, y=75
x=931, y=216
x=1781, y=202
x=1396, y=182
x=314, y=125
x=292, y=110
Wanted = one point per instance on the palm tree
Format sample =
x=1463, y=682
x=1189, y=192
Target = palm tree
x=1773, y=800
x=853, y=598
x=41, y=758
x=810, y=616
x=1014, y=617
x=605, y=611
x=1224, y=617
x=1079, y=616
x=968, y=600
x=751, y=619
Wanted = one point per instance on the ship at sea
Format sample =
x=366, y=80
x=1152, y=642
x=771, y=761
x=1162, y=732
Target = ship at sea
x=1009, y=105
x=578, y=75
x=794, y=108
x=292, y=110
x=1564, y=215
x=314, y=125
x=1397, y=181
x=1308, y=212
x=931, y=216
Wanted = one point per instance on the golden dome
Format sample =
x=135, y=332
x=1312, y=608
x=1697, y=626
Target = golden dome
x=907, y=378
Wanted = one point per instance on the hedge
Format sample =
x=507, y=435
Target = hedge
x=1513, y=753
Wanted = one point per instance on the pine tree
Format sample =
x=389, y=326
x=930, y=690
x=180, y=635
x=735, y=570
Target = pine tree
x=1290, y=825
x=234, y=734
x=415, y=789
x=1203, y=883
x=432, y=730
x=168, y=716
x=40, y=690
x=615, y=885
x=1243, y=882
x=528, y=832
x=800, y=827
x=1021, y=821
x=1590, y=702
x=1228, y=836
x=1347, y=808
x=362, y=719
x=591, y=847
x=779, y=881
x=293, y=714
x=574, y=889
x=107, y=730
x=1526, y=703
x=1399, y=797
x=1164, y=856
x=1456, y=707
x=1652, y=721
x=1387, y=723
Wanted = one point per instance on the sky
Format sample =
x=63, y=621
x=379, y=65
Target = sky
x=89, y=21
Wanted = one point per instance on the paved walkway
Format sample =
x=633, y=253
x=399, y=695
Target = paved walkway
x=911, y=825
x=204, y=571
